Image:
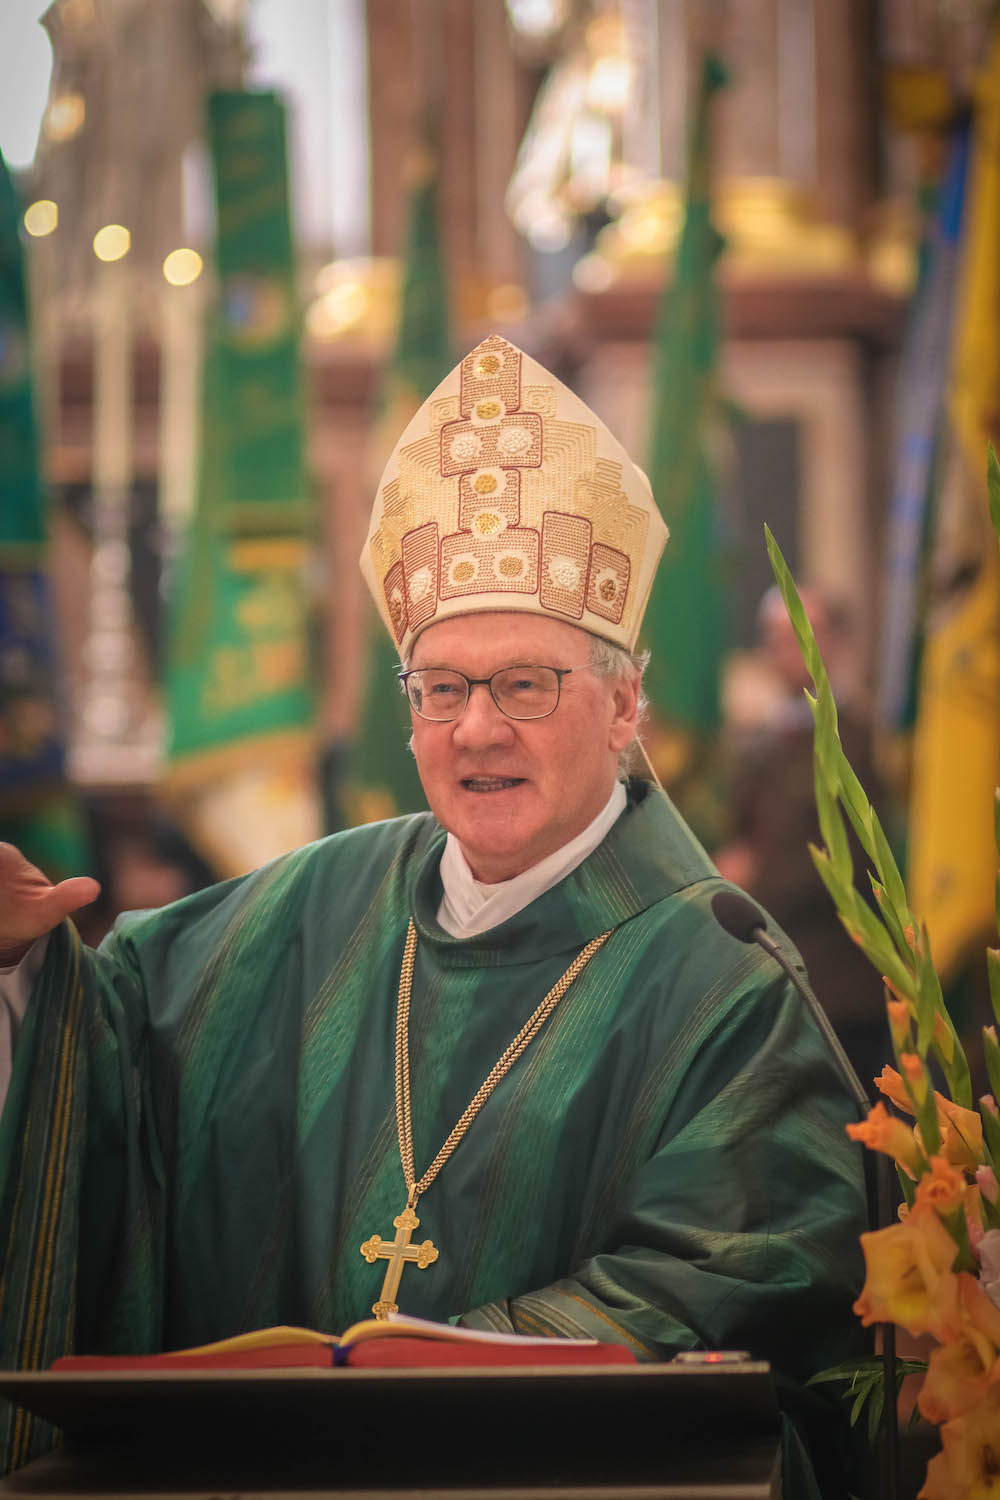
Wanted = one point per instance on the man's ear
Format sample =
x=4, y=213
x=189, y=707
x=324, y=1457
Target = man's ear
x=626, y=711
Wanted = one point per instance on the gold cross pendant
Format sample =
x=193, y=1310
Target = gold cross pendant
x=397, y=1252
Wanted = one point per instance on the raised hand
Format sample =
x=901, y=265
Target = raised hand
x=31, y=905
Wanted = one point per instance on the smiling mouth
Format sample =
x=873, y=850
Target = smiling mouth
x=491, y=783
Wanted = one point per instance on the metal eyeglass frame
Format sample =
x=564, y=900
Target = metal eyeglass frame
x=471, y=682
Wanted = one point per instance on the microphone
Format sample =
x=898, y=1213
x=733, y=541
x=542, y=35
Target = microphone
x=743, y=920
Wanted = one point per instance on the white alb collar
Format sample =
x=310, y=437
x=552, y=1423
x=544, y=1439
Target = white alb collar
x=469, y=906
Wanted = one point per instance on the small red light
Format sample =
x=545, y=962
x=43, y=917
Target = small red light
x=713, y=1359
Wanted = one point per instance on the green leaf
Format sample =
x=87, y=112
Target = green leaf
x=879, y=947
x=885, y=864
x=991, y=1211
x=875, y=1408
x=831, y=824
x=907, y=1185
x=865, y=1391
x=890, y=917
x=841, y=892
x=797, y=615
x=993, y=487
x=993, y=970
x=856, y=804
x=956, y=1073
x=991, y=1052
x=991, y=1133
x=929, y=998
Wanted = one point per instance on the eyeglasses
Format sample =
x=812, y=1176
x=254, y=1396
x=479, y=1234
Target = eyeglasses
x=440, y=694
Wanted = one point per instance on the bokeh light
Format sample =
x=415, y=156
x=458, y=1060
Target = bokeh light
x=41, y=218
x=112, y=242
x=182, y=266
x=65, y=117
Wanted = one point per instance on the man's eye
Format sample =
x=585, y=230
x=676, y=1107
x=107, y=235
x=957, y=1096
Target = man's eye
x=441, y=689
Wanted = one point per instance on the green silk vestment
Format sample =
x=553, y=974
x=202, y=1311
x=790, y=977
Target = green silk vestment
x=201, y=1129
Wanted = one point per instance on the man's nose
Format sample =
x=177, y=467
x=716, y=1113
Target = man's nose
x=481, y=722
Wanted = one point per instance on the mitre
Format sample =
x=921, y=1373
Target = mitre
x=506, y=492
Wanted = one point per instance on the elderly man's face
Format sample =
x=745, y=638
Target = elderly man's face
x=514, y=790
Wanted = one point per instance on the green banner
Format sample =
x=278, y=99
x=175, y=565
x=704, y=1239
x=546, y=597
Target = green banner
x=381, y=778
x=37, y=810
x=22, y=518
x=239, y=664
x=684, y=626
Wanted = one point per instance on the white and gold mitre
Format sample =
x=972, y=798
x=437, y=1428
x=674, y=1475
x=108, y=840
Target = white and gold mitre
x=506, y=492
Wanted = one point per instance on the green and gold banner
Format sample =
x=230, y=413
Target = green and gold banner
x=239, y=680
x=37, y=809
x=381, y=778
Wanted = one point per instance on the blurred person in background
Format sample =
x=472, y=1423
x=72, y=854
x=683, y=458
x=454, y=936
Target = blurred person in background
x=774, y=820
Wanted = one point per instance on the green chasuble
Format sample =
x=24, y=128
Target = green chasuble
x=201, y=1127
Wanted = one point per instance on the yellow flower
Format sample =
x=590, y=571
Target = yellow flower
x=882, y=1131
x=968, y=1467
x=959, y=1372
x=909, y=1279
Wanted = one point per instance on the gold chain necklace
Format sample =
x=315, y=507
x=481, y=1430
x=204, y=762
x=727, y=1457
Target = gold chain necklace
x=400, y=1252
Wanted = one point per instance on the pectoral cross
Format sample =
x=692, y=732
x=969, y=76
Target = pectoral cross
x=397, y=1252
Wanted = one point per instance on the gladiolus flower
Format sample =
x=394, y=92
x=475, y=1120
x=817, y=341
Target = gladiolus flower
x=988, y=1251
x=882, y=1131
x=944, y=1037
x=973, y=1205
x=959, y=1372
x=898, y=1012
x=987, y=1183
x=915, y=1077
x=968, y=1467
x=909, y=1279
x=961, y=1129
x=891, y=1085
x=942, y=1188
x=962, y=1134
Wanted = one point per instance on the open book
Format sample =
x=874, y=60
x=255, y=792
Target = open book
x=398, y=1342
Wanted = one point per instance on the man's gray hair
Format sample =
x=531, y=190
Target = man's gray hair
x=610, y=661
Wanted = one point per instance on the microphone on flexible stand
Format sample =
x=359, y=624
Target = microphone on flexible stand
x=742, y=919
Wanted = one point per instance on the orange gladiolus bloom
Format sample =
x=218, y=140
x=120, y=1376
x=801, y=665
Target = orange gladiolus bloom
x=968, y=1468
x=961, y=1129
x=961, y=1134
x=882, y=1131
x=891, y=1085
x=959, y=1372
x=943, y=1187
x=909, y=1279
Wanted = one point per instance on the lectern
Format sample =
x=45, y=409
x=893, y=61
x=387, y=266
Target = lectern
x=652, y=1432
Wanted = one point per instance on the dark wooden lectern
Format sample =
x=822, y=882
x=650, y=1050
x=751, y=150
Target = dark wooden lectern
x=671, y=1431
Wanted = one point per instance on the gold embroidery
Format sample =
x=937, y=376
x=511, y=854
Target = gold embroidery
x=445, y=409
x=539, y=398
x=501, y=495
